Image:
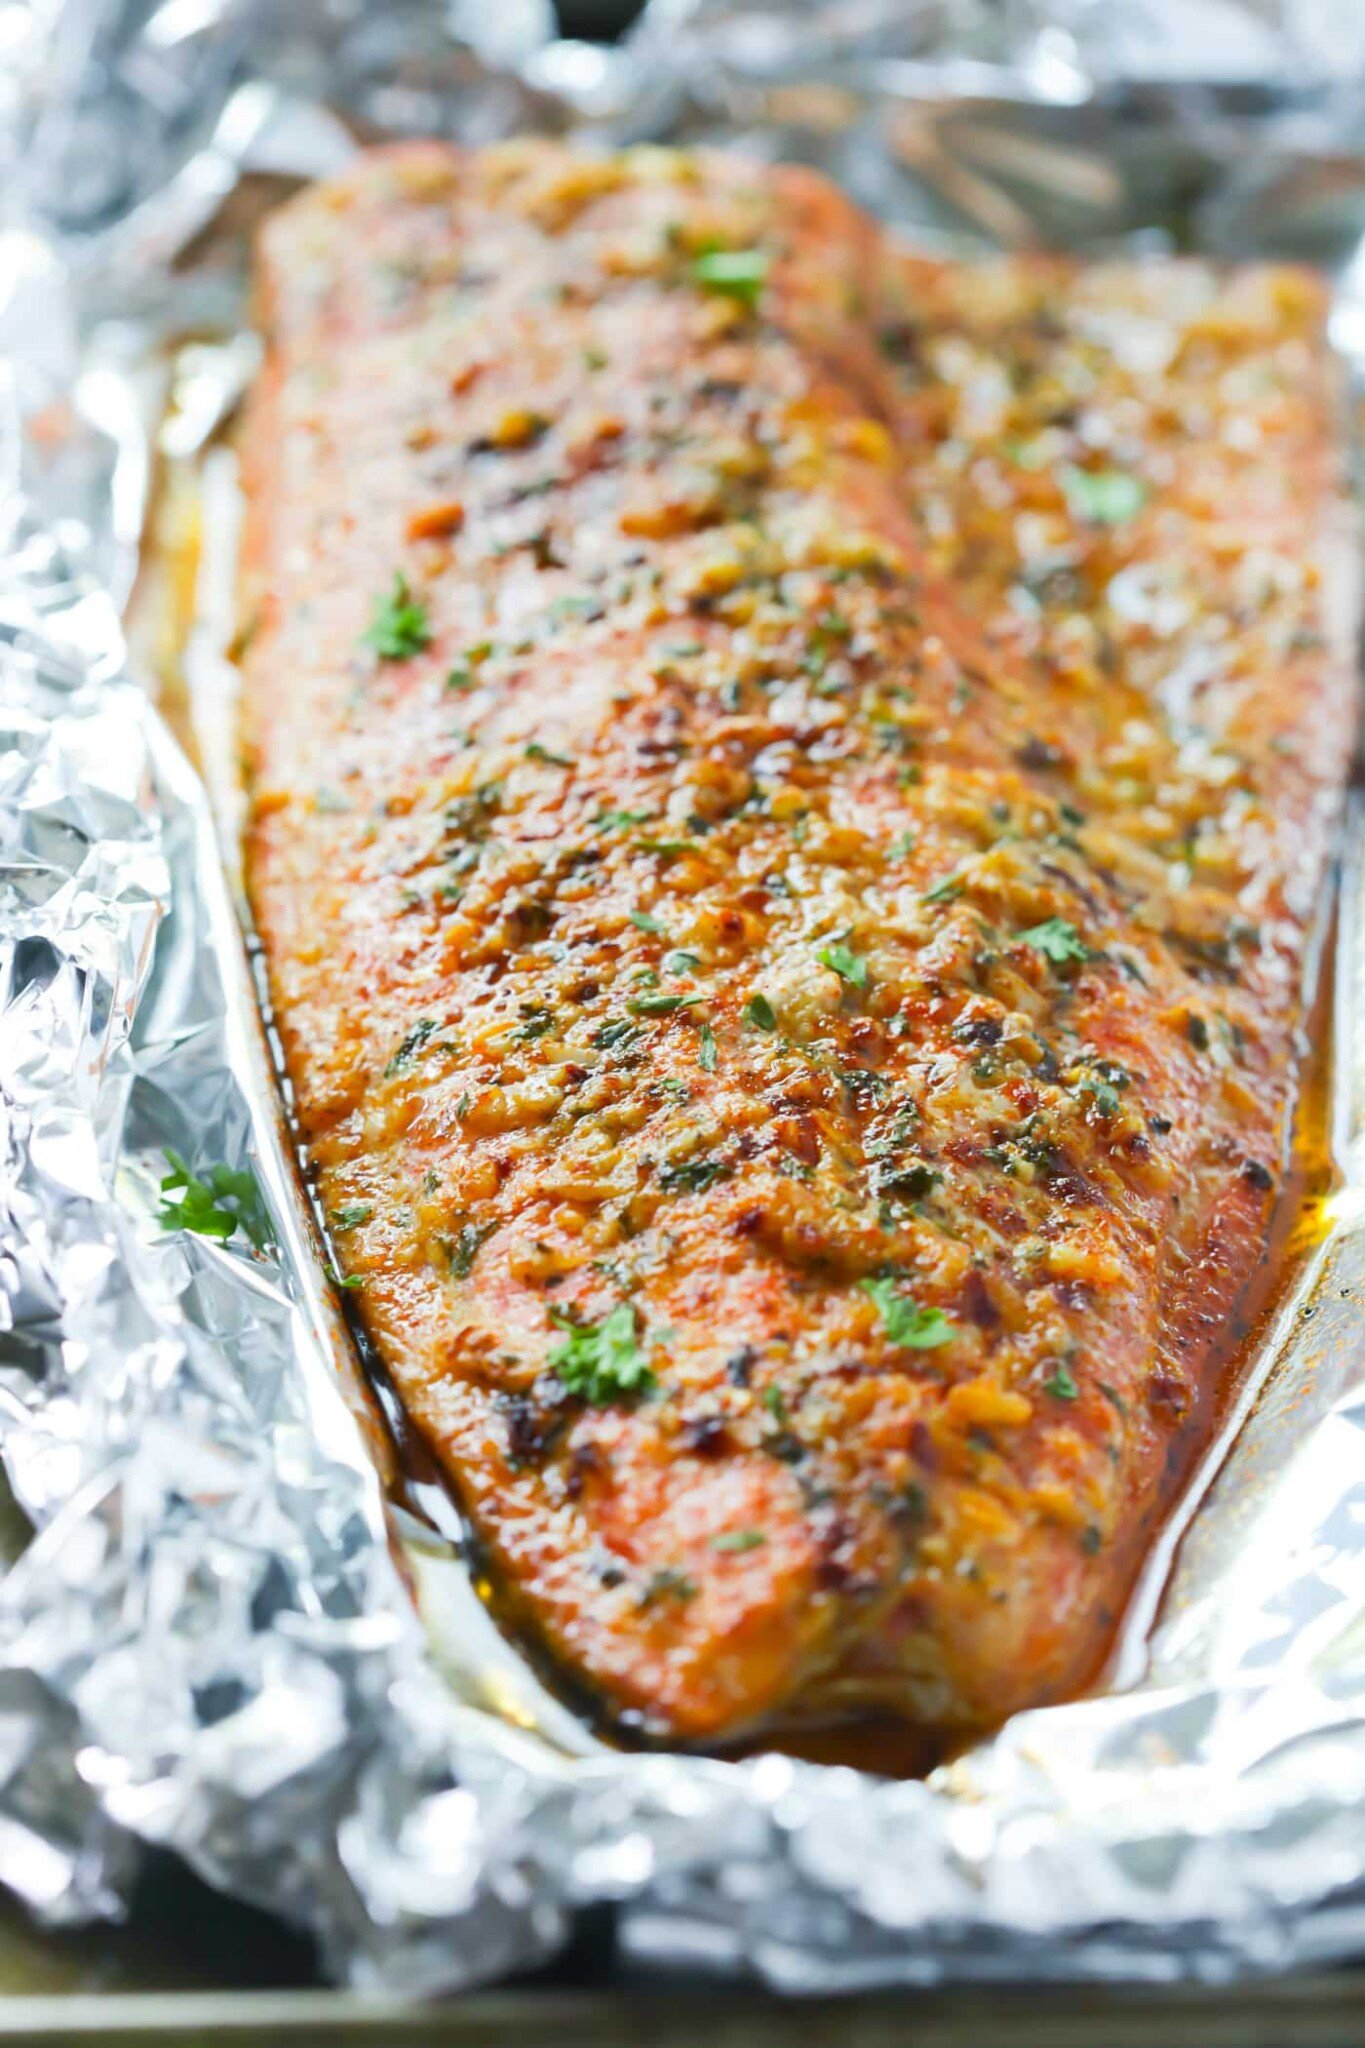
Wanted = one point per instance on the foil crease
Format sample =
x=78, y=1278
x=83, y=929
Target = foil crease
x=211, y=1641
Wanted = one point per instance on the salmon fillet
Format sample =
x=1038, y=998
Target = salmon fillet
x=791, y=787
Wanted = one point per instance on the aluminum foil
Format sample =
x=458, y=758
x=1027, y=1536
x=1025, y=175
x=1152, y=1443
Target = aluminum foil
x=222, y=1638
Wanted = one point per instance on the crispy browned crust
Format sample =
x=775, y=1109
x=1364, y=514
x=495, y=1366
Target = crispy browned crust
x=818, y=885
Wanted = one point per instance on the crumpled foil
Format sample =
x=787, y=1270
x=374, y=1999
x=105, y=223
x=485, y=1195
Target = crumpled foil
x=212, y=1641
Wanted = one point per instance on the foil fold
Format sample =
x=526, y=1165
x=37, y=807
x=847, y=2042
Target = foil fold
x=221, y=1637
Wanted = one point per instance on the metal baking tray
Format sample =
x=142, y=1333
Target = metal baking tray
x=189, y=1966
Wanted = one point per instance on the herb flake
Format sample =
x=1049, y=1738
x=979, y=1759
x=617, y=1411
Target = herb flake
x=905, y=1322
x=840, y=960
x=398, y=627
x=1057, y=940
x=738, y=274
x=600, y=1362
x=214, y=1204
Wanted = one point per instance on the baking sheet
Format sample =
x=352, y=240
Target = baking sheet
x=210, y=1644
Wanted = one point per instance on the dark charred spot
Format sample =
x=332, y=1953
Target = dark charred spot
x=530, y=1429
x=585, y=1460
x=1069, y=881
x=978, y=1031
x=740, y=1364
x=798, y=1136
x=866, y=1037
x=975, y=1304
x=706, y=1434
x=901, y=342
x=1040, y=755
x=836, y=1571
x=1259, y=1176
x=1161, y=1126
x=923, y=1449
x=1169, y=1395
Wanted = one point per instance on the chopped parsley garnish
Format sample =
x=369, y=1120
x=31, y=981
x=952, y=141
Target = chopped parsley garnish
x=944, y=891
x=350, y=1281
x=905, y=1322
x=398, y=627
x=737, y=274
x=668, y=1583
x=680, y=962
x=609, y=821
x=462, y=1251
x=1104, y=497
x=660, y=1006
x=643, y=922
x=847, y=965
x=1057, y=940
x=536, y=1022
x=601, y=1362
x=1062, y=1384
x=759, y=1011
x=462, y=676
x=352, y=1214
x=409, y=1047
x=706, y=1055
x=216, y=1204
x=739, y=1540
x=536, y=752
x=693, y=1176
x=616, y=1034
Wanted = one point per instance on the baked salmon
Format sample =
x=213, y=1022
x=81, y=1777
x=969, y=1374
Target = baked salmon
x=791, y=790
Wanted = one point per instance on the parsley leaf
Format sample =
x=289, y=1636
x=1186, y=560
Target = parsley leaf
x=215, y=1205
x=693, y=1176
x=906, y=1323
x=732, y=273
x=706, y=1056
x=1062, y=1384
x=352, y=1214
x=660, y=1006
x=739, y=1540
x=1057, y=940
x=600, y=1361
x=759, y=1011
x=847, y=965
x=1104, y=497
x=610, y=821
x=462, y=1251
x=410, y=1046
x=643, y=922
x=398, y=627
